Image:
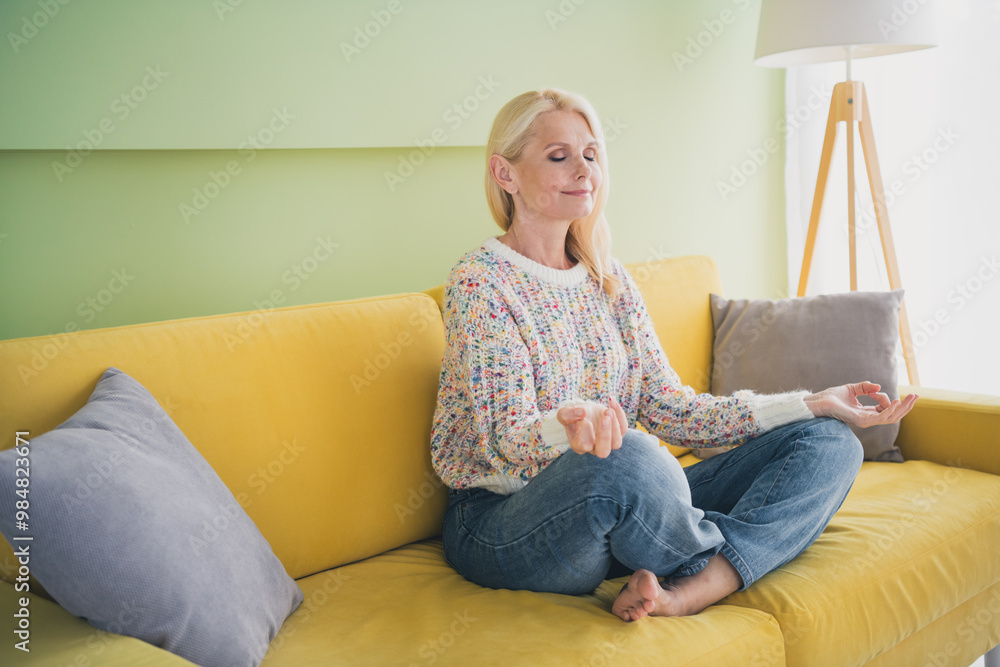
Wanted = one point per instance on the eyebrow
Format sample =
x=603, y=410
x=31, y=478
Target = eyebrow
x=565, y=145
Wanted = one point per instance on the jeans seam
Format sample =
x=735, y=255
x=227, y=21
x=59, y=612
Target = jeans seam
x=737, y=562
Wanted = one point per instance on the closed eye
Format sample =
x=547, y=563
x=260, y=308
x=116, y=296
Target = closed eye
x=585, y=157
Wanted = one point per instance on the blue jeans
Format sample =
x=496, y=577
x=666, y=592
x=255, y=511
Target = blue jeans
x=760, y=505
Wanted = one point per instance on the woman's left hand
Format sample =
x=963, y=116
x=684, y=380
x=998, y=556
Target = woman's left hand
x=842, y=403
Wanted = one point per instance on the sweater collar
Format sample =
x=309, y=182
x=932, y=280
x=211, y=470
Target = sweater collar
x=566, y=277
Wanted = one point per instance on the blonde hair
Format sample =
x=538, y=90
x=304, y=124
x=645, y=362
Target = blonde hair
x=588, y=239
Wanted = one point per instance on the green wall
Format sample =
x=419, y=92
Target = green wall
x=254, y=168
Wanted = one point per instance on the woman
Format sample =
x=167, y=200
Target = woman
x=552, y=360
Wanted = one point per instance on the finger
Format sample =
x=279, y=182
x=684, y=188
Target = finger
x=890, y=415
x=616, y=433
x=882, y=398
x=568, y=415
x=867, y=387
x=908, y=404
x=622, y=418
x=584, y=438
x=869, y=415
x=602, y=446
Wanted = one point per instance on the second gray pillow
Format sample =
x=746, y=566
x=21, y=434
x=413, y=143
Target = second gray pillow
x=814, y=342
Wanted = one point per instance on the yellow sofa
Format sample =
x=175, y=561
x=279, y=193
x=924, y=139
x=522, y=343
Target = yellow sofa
x=318, y=419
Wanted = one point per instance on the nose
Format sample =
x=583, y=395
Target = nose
x=583, y=168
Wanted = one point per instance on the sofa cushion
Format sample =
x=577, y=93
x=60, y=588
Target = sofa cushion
x=59, y=638
x=131, y=529
x=811, y=343
x=911, y=543
x=409, y=607
x=321, y=406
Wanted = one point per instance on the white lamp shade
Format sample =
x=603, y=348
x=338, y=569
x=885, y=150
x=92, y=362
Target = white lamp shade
x=803, y=32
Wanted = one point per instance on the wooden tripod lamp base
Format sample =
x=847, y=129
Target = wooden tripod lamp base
x=850, y=104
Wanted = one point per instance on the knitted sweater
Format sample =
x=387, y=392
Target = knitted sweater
x=524, y=340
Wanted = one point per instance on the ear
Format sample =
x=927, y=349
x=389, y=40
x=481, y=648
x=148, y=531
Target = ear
x=503, y=173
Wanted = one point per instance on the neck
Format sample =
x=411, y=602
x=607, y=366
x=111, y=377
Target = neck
x=548, y=249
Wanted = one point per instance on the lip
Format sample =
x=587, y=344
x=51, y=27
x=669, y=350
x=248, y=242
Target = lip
x=577, y=193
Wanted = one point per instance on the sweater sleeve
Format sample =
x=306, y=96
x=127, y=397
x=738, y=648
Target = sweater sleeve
x=676, y=413
x=494, y=366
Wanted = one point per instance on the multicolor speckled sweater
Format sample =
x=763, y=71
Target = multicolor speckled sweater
x=524, y=340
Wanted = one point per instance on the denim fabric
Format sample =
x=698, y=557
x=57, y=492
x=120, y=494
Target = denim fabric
x=760, y=504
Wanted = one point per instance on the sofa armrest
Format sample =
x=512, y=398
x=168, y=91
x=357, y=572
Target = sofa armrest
x=952, y=428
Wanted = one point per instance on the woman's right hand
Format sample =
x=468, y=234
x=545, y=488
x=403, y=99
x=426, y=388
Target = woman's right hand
x=597, y=431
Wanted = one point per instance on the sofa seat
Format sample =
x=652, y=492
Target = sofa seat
x=59, y=639
x=893, y=539
x=437, y=617
x=911, y=543
x=915, y=531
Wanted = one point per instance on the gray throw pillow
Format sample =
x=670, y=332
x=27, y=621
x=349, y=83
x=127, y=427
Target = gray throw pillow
x=133, y=531
x=812, y=343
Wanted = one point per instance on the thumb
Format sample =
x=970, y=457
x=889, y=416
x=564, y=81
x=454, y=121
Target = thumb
x=569, y=415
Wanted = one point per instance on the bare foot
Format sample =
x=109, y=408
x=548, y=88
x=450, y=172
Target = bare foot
x=639, y=597
x=644, y=596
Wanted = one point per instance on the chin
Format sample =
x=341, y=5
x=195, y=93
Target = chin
x=580, y=212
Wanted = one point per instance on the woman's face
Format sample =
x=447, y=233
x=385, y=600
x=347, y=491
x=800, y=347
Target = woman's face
x=558, y=175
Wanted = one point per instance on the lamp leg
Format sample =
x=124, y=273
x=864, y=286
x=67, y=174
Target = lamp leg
x=885, y=232
x=817, y=207
x=852, y=237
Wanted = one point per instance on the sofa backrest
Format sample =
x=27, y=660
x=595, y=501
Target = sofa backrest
x=316, y=417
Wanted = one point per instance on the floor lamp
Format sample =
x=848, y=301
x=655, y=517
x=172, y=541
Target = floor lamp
x=803, y=32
